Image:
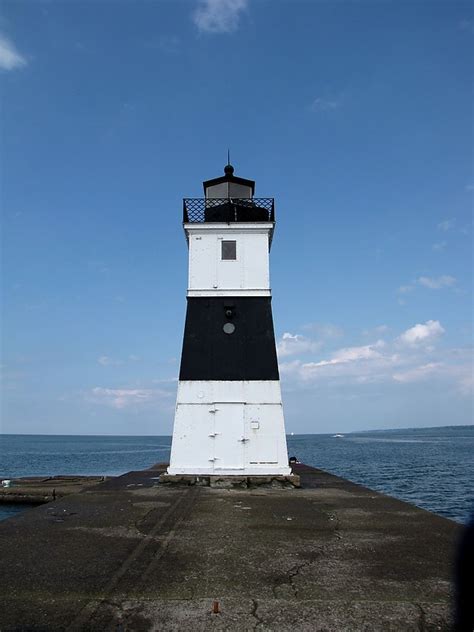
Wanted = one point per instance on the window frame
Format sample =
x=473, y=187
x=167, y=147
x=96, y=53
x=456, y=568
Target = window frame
x=229, y=241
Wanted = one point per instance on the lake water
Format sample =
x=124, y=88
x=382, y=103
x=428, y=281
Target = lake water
x=429, y=467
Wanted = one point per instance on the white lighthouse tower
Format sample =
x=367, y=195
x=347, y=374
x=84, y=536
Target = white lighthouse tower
x=229, y=414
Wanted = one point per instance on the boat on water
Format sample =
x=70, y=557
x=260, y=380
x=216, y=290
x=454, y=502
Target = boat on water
x=338, y=436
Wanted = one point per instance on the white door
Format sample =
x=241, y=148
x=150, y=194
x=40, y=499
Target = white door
x=262, y=445
x=229, y=445
x=193, y=443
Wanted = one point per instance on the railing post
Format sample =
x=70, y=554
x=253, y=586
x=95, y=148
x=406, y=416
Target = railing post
x=185, y=213
x=272, y=212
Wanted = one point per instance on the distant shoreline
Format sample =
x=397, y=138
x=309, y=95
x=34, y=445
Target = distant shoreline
x=294, y=434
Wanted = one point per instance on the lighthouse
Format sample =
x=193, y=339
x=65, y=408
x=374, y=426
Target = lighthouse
x=229, y=414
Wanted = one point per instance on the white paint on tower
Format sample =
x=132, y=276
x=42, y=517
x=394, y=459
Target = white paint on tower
x=246, y=275
x=234, y=426
x=229, y=427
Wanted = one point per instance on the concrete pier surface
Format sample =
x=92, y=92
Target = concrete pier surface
x=44, y=489
x=131, y=554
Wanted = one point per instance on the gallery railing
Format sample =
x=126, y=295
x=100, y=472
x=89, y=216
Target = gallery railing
x=196, y=210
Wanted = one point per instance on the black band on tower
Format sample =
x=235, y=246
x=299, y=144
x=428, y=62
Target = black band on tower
x=228, y=338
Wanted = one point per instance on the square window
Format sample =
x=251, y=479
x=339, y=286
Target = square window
x=229, y=250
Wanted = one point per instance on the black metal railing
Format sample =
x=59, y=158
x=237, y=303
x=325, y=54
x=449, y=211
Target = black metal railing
x=196, y=210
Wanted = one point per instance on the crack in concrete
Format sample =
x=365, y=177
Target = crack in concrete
x=254, y=614
x=421, y=619
x=122, y=615
x=293, y=572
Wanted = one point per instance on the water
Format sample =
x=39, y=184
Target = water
x=432, y=468
x=429, y=467
x=49, y=455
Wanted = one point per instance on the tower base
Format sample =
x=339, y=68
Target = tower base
x=229, y=428
x=234, y=482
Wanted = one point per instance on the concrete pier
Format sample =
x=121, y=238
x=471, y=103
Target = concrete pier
x=44, y=489
x=131, y=554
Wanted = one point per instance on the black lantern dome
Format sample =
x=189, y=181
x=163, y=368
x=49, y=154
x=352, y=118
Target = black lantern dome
x=229, y=186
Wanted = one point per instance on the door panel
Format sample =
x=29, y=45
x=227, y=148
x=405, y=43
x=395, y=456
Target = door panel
x=229, y=432
x=192, y=445
x=262, y=444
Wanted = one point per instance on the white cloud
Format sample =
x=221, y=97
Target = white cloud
x=424, y=333
x=105, y=360
x=290, y=344
x=324, y=330
x=417, y=373
x=166, y=380
x=324, y=104
x=404, y=289
x=349, y=361
x=121, y=398
x=349, y=354
x=218, y=16
x=436, y=283
x=108, y=361
x=446, y=225
x=10, y=58
x=433, y=283
x=409, y=358
x=439, y=246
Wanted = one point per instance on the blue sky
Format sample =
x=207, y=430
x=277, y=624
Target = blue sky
x=355, y=116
